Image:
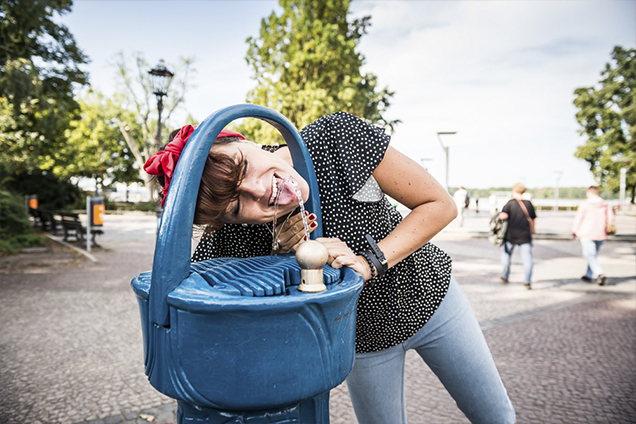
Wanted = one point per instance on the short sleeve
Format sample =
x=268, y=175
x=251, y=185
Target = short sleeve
x=353, y=147
x=506, y=208
x=531, y=210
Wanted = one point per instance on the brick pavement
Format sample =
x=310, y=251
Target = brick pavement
x=71, y=352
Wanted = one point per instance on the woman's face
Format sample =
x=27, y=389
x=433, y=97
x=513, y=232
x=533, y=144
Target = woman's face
x=265, y=191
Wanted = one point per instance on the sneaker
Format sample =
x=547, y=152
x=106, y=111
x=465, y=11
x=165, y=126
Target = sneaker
x=586, y=279
x=503, y=280
x=528, y=286
x=601, y=280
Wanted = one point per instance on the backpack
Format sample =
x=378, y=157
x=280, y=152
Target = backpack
x=498, y=230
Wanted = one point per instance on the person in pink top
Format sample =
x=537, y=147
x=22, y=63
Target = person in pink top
x=590, y=223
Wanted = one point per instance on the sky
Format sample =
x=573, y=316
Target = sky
x=501, y=74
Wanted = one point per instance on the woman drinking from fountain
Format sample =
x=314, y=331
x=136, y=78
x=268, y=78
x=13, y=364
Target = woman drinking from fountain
x=247, y=204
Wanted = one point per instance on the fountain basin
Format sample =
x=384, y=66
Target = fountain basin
x=241, y=337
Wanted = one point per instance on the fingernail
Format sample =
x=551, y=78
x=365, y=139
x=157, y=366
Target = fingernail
x=305, y=238
x=313, y=225
x=306, y=213
x=312, y=216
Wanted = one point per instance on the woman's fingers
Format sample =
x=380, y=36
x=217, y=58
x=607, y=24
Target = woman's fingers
x=292, y=233
x=341, y=255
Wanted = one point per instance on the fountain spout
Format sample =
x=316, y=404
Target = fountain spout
x=312, y=257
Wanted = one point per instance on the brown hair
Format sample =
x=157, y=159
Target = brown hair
x=519, y=188
x=221, y=177
x=593, y=189
x=222, y=174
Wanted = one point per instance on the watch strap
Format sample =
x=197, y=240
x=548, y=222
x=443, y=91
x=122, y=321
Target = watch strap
x=379, y=256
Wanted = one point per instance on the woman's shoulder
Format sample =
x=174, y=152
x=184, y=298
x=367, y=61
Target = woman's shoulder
x=334, y=120
x=343, y=127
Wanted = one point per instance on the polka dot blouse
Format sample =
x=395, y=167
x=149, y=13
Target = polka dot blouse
x=345, y=151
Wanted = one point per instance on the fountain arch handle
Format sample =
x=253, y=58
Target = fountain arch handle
x=171, y=263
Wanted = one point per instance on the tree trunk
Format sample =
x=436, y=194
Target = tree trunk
x=150, y=184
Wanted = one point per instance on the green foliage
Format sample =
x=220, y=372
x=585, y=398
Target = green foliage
x=130, y=206
x=536, y=193
x=96, y=148
x=39, y=69
x=135, y=106
x=54, y=193
x=607, y=116
x=306, y=66
x=138, y=102
x=15, y=228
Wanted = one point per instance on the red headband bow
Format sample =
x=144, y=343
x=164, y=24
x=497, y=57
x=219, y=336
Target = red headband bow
x=165, y=161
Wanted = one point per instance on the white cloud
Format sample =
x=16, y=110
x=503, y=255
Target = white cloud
x=500, y=73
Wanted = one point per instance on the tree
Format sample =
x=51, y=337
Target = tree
x=96, y=148
x=15, y=229
x=39, y=70
x=306, y=65
x=137, y=115
x=607, y=116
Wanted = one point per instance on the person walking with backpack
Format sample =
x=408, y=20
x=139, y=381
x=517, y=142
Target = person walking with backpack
x=590, y=226
x=520, y=215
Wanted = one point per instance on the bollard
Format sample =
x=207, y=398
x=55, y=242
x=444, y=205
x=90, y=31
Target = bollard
x=235, y=340
x=95, y=211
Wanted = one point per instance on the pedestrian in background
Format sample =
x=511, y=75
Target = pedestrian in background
x=461, y=200
x=590, y=226
x=520, y=215
x=492, y=200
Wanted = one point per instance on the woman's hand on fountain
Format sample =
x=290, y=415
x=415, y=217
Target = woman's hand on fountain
x=341, y=255
x=292, y=232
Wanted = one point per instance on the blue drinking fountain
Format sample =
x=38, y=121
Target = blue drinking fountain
x=234, y=340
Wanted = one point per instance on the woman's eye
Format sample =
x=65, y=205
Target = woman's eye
x=236, y=210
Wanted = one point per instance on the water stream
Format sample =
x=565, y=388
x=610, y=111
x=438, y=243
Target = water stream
x=301, y=205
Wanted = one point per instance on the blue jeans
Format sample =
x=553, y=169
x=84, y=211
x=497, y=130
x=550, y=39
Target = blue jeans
x=590, y=253
x=526, y=257
x=452, y=345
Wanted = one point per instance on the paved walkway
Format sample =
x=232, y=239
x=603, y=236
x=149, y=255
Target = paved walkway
x=71, y=351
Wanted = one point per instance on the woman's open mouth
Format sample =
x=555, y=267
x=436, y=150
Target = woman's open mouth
x=281, y=192
x=277, y=189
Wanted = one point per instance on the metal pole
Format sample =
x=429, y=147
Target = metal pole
x=447, y=166
x=160, y=109
x=159, y=209
x=623, y=185
x=445, y=151
x=556, y=191
x=88, y=224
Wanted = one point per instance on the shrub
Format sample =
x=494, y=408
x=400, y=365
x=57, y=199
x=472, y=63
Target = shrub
x=53, y=193
x=15, y=228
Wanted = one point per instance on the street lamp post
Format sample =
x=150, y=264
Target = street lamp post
x=446, y=151
x=556, y=190
x=623, y=182
x=623, y=186
x=161, y=78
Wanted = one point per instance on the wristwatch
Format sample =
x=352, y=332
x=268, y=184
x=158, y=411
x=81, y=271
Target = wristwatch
x=384, y=265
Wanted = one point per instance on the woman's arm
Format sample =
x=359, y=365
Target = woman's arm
x=432, y=207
